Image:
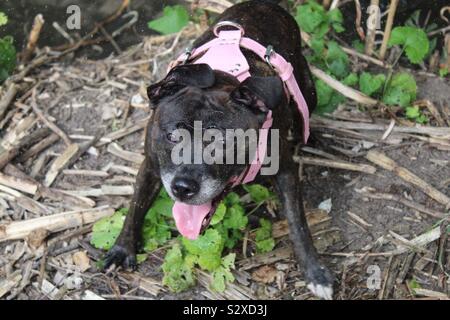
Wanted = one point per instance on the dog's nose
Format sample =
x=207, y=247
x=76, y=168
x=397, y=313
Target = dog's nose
x=184, y=189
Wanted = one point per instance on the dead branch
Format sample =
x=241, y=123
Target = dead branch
x=387, y=163
x=337, y=164
x=388, y=28
x=371, y=32
x=7, y=98
x=33, y=38
x=53, y=223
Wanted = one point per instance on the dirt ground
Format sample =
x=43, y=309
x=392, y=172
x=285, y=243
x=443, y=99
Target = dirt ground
x=92, y=98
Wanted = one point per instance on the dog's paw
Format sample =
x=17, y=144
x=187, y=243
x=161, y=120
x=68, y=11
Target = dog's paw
x=120, y=256
x=320, y=282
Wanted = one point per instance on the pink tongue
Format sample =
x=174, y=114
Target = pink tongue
x=189, y=218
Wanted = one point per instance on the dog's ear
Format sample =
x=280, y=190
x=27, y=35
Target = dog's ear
x=259, y=93
x=195, y=75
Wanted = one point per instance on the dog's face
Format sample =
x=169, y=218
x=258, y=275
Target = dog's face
x=195, y=111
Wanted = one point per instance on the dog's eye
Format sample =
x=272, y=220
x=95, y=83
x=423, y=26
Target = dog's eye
x=173, y=137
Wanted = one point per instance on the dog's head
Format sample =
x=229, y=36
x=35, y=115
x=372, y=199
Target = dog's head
x=196, y=112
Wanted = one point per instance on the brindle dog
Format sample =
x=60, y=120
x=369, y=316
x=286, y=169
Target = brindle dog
x=197, y=93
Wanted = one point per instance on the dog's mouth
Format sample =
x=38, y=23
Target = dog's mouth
x=192, y=220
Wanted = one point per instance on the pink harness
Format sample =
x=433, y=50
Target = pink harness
x=224, y=53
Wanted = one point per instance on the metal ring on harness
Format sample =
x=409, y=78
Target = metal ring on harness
x=227, y=23
x=268, y=54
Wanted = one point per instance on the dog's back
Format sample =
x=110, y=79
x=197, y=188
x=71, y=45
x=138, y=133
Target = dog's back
x=269, y=24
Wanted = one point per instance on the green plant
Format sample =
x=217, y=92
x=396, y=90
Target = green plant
x=414, y=42
x=263, y=237
x=174, y=18
x=327, y=55
x=207, y=252
x=371, y=84
x=7, y=52
x=401, y=91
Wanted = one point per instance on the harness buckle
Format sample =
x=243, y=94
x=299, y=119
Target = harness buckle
x=229, y=24
x=188, y=53
x=268, y=54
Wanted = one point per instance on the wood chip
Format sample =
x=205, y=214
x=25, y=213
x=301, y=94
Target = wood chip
x=81, y=260
x=60, y=163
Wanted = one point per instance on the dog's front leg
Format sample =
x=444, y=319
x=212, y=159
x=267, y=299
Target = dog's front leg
x=319, y=279
x=148, y=184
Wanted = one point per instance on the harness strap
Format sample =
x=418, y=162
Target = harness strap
x=224, y=53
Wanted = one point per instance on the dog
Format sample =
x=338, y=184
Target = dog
x=196, y=91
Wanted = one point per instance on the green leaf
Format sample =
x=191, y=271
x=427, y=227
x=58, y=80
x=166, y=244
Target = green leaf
x=178, y=272
x=223, y=274
x=358, y=46
x=158, y=223
x=413, y=40
x=327, y=98
x=231, y=199
x=106, y=230
x=336, y=19
x=210, y=242
x=263, y=237
x=401, y=91
x=370, y=84
x=7, y=57
x=173, y=20
x=312, y=18
x=266, y=245
x=258, y=193
x=443, y=72
x=219, y=214
x=209, y=262
x=412, y=112
x=351, y=80
x=337, y=60
x=235, y=218
x=3, y=19
x=141, y=258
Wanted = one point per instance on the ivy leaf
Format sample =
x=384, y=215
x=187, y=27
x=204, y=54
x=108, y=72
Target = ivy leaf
x=258, y=193
x=210, y=242
x=140, y=258
x=412, y=112
x=173, y=20
x=312, y=17
x=370, y=84
x=358, y=46
x=402, y=90
x=327, y=98
x=443, y=72
x=158, y=223
x=266, y=245
x=414, y=41
x=223, y=274
x=415, y=114
x=7, y=57
x=336, y=19
x=263, y=237
x=209, y=262
x=106, y=230
x=351, y=80
x=337, y=60
x=235, y=218
x=178, y=272
x=231, y=199
x=219, y=214
x=3, y=19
